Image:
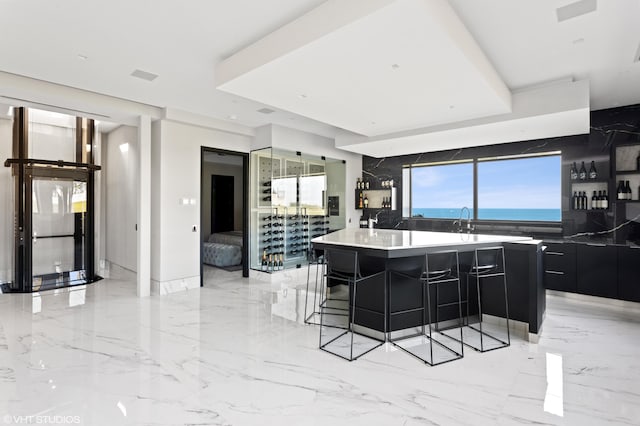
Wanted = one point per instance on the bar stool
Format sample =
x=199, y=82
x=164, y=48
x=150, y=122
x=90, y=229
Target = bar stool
x=316, y=257
x=320, y=298
x=440, y=268
x=487, y=262
x=343, y=266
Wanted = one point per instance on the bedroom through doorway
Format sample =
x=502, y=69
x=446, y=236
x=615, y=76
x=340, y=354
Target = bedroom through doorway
x=223, y=215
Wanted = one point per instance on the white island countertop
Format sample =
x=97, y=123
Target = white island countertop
x=391, y=239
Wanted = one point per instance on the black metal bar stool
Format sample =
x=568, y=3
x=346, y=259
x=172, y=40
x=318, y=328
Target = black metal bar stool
x=487, y=262
x=440, y=268
x=316, y=257
x=320, y=297
x=343, y=267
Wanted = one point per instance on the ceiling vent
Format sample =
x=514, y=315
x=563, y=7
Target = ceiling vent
x=576, y=9
x=266, y=110
x=148, y=76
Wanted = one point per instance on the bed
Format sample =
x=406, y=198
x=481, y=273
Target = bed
x=223, y=249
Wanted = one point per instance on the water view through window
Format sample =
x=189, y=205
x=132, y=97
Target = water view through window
x=440, y=192
x=521, y=189
x=525, y=189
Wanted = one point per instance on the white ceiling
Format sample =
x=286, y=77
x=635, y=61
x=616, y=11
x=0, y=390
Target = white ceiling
x=183, y=42
x=400, y=65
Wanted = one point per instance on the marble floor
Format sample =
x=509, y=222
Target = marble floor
x=236, y=352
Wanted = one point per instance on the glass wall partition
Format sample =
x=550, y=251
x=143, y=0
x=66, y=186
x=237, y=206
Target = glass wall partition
x=293, y=200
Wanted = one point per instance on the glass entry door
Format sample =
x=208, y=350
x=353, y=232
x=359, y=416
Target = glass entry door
x=58, y=213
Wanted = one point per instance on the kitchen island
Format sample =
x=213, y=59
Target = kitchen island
x=388, y=305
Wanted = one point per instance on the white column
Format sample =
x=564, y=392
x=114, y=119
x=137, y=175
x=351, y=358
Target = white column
x=144, y=206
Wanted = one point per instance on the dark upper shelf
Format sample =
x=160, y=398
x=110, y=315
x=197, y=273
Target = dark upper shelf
x=590, y=181
x=628, y=172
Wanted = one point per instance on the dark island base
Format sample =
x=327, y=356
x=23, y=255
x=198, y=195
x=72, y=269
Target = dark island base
x=402, y=296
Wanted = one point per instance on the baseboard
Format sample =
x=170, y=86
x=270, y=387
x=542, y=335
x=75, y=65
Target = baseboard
x=162, y=288
x=596, y=300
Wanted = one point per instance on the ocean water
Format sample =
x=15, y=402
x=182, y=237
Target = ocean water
x=537, y=215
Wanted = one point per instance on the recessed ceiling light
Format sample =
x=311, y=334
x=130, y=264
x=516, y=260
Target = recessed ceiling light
x=144, y=75
x=395, y=66
x=302, y=96
x=266, y=110
x=578, y=40
x=83, y=57
x=373, y=122
x=452, y=106
x=232, y=117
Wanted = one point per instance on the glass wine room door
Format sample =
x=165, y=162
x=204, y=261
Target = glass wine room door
x=58, y=248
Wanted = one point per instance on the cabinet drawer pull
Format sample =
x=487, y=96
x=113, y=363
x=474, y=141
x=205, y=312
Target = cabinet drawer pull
x=596, y=245
x=555, y=253
x=554, y=272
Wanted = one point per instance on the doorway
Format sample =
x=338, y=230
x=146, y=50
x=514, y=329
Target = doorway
x=224, y=214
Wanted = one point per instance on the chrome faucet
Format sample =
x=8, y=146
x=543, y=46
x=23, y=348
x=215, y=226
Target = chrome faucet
x=459, y=221
x=372, y=221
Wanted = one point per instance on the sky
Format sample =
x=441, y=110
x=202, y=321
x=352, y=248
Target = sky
x=524, y=183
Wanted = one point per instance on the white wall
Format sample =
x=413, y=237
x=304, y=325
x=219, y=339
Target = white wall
x=6, y=203
x=120, y=196
x=238, y=182
x=175, y=164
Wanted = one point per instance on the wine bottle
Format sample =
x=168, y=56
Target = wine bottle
x=360, y=202
x=574, y=171
x=358, y=184
x=281, y=263
x=266, y=191
x=582, y=174
x=594, y=201
x=574, y=200
x=605, y=200
x=628, y=191
x=593, y=173
x=620, y=190
x=267, y=198
x=264, y=260
x=584, y=200
x=599, y=202
x=366, y=184
x=365, y=202
x=267, y=183
x=270, y=263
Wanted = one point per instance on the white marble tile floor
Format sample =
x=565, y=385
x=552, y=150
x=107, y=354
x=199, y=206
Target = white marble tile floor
x=237, y=352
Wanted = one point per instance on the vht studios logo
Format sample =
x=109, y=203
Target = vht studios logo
x=41, y=420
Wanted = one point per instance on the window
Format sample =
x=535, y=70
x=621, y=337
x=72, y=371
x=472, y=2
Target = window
x=440, y=191
x=523, y=189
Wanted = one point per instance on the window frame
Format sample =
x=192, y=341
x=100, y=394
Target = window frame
x=475, y=162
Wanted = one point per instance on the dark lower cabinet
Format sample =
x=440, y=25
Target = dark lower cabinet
x=560, y=267
x=629, y=273
x=597, y=270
